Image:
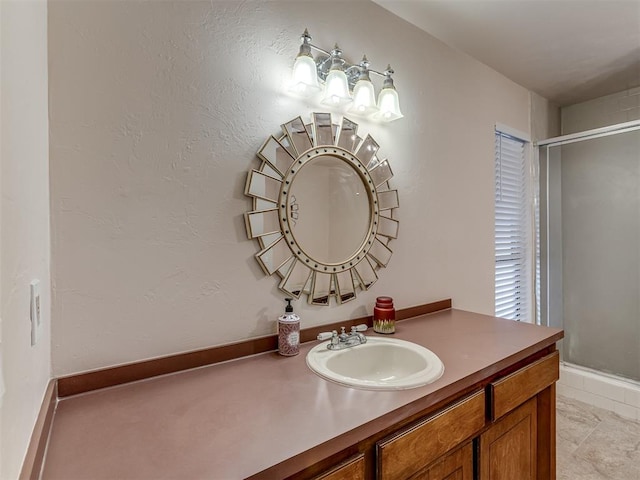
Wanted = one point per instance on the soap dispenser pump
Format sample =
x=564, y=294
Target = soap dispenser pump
x=289, y=332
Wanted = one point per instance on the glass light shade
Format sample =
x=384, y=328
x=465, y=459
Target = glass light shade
x=336, y=89
x=364, y=98
x=304, y=80
x=389, y=105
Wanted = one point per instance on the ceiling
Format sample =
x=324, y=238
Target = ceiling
x=568, y=51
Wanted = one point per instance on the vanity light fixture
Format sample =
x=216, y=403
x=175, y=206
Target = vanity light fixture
x=344, y=83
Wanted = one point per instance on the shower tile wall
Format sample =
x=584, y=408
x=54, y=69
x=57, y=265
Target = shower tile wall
x=599, y=390
x=608, y=110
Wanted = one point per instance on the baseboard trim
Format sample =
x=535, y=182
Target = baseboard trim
x=109, y=377
x=34, y=459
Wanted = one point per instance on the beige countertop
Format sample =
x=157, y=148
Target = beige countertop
x=239, y=418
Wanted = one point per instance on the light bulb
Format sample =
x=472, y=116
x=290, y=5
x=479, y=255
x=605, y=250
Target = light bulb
x=336, y=90
x=304, y=78
x=389, y=105
x=364, y=98
x=388, y=101
x=364, y=95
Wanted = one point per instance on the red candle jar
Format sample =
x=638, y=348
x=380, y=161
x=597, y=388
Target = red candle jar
x=384, y=315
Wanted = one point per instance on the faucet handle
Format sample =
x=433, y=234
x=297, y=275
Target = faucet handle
x=325, y=335
x=359, y=328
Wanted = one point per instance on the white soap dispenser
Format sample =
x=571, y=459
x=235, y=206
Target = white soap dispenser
x=289, y=332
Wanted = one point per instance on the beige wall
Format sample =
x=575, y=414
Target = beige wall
x=24, y=222
x=157, y=111
x=545, y=118
x=601, y=112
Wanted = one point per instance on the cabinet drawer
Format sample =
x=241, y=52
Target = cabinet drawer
x=352, y=469
x=513, y=390
x=408, y=452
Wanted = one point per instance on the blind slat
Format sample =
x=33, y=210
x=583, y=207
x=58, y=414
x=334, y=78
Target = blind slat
x=511, y=229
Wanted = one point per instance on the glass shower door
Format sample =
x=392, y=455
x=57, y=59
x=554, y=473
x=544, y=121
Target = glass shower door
x=592, y=252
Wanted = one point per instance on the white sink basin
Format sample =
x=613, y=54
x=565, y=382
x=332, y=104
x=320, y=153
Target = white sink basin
x=380, y=364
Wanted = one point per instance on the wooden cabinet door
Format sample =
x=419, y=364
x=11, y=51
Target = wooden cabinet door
x=456, y=465
x=508, y=449
x=352, y=469
x=410, y=451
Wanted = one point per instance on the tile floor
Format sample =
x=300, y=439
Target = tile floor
x=595, y=444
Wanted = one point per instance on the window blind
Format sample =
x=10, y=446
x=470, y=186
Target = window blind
x=512, y=229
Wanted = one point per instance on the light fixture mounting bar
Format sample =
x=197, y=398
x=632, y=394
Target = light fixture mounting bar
x=323, y=63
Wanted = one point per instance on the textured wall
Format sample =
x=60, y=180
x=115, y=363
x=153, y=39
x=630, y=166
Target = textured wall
x=24, y=222
x=157, y=111
x=603, y=111
x=545, y=118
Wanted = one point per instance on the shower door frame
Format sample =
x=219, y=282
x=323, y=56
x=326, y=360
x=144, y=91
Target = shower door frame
x=548, y=295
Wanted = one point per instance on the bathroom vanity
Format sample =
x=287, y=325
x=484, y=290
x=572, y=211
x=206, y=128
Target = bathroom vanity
x=490, y=416
x=504, y=431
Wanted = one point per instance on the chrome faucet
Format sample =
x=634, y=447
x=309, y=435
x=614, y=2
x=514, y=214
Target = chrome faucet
x=343, y=340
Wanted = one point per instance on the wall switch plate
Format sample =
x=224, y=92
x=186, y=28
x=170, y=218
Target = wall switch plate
x=35, y=312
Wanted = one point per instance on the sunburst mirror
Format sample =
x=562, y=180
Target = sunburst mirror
x=323, y=209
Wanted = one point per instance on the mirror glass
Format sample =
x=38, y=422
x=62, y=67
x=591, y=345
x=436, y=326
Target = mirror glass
x=329, y=210
x=323, y=209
